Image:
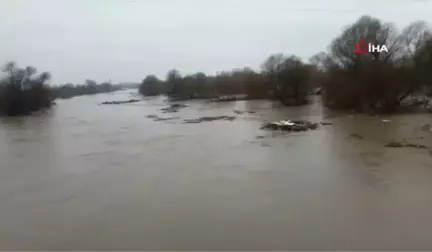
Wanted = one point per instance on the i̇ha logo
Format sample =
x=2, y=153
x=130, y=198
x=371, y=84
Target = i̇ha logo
x=361, y=47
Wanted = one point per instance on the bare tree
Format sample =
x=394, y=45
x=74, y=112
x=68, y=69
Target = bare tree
x=375, y=80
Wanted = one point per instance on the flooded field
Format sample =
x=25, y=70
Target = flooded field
x=85, y=176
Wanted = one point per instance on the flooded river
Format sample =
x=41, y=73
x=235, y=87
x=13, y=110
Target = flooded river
x=90, y=177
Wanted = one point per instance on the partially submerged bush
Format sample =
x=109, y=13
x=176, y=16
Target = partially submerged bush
x=289, y=79
x=376, y=81
x=89, y=88
x=283, y=78
x=22, y=91
x=151, y=86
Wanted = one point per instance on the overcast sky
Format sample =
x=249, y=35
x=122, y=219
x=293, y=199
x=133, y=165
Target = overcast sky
x=124, y=40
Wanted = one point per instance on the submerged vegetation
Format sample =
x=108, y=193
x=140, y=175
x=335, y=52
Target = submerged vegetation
x=90, y=87
x=22, y=91
x=371, y=82
x=283, y=78
x=377, y=81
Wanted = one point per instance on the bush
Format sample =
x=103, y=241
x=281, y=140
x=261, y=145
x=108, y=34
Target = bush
x=377, y=81
x=22, y=91
x=151, y=86
x=289, y=83
x=89, y=88
x=289, y=78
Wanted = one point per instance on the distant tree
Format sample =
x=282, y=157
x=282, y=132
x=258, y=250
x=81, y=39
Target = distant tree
x=151, y=86
x=90, y=82
x=423, y=62
x=288, y=77
x=202, y=85
x=256, y=85
x=292, y=87
x=174, y=83
x=272, y=68
x=90, y=87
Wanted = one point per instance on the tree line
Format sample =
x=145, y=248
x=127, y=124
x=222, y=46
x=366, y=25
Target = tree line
x=376, y=81
x=284, y=78
x=90, y=87
x=23, y=91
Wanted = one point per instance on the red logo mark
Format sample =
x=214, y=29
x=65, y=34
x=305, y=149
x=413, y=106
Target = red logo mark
x=361, y=47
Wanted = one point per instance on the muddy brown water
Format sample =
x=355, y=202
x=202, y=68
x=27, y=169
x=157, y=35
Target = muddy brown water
x=90, y=177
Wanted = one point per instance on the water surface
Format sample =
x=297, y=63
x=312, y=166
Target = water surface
x=90, y=177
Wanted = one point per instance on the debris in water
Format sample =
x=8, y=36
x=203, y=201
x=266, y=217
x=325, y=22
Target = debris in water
x=287, y=125
x=394, y=145
x=230, y=98
x=178, y=106
x=119, y=102
x=400, y=145
x=161, y=119
x=326, y=123
x=357, y=136
x=173, y=108
x=426, y=127
x=417, y=146
x=170, y=110
x=210, y=119
x=386, y=121
x=239, y=112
